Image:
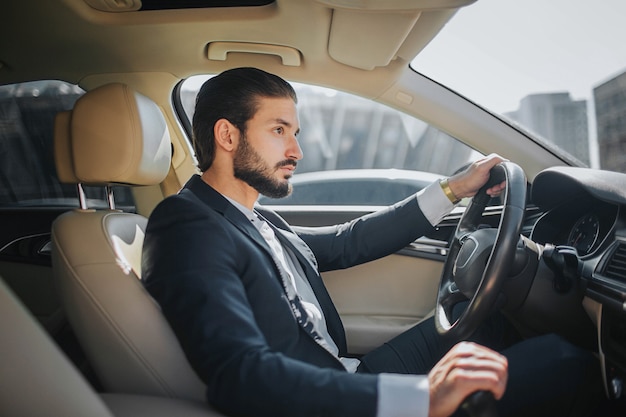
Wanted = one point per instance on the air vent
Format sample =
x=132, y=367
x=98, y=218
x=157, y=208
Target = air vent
x=197, y=4
x=116, y=6
x=134, y=5
x=616, y=266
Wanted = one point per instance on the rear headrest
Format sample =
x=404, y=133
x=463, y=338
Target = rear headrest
x=63, y=148
x=116, y=136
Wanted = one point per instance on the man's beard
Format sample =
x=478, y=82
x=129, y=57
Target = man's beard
x=250, y=168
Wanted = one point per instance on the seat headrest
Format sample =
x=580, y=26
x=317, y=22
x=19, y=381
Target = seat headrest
x=115, y=136
x=63, y=148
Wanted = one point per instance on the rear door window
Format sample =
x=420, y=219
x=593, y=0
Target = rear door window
x=27, y=172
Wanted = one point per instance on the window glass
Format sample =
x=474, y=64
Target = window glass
x=378, y=187
x=340, y=132
x=554, y=68
x=27, y=172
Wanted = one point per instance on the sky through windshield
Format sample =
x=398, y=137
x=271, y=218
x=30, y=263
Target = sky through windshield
x=495, y=52
x=498, y=52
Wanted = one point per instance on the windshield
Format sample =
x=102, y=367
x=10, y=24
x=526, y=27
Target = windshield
x=557, y=68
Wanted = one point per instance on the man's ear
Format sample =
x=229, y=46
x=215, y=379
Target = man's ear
x=226, y=134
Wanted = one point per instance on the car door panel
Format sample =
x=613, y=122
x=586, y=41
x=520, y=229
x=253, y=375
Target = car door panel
x=380, y=299
x=25, y=263
x=34, y=286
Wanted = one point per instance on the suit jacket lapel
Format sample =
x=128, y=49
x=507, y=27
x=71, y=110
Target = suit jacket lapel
x=217, y=202
x=309, y=265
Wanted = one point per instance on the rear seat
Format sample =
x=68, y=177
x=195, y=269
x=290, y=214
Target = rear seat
x=36, y=379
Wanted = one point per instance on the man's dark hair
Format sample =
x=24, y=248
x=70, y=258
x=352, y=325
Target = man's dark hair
x=232, y=95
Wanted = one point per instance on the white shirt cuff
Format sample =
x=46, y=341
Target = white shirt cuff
x=434, y=203
x=403, y=395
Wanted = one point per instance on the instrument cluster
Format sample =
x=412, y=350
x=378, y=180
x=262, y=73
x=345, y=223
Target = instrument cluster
x=583, y=226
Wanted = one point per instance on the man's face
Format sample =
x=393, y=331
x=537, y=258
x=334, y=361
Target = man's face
x=268, y=150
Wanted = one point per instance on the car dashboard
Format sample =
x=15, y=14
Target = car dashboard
x=585, y=209
x=584, y=223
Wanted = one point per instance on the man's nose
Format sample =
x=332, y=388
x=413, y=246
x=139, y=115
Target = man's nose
x=294, y=151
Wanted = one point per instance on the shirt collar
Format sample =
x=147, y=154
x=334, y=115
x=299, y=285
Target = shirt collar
x=250, y=215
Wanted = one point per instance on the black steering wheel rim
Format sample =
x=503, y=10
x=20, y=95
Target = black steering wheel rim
x=498, y=263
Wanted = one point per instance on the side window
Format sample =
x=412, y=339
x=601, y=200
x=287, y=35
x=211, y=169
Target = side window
x=357, y=151
x=27, y=172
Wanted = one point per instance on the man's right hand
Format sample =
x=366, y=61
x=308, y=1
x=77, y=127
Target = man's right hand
x=466, y=368
x=467, y=182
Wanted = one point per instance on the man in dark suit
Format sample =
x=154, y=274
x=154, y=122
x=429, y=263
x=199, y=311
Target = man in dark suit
x=242, y=289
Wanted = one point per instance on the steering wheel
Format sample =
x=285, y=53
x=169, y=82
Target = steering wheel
x=479, y=259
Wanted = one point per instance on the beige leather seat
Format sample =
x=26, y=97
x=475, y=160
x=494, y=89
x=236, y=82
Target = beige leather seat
x=115, y=136
x=37, y=380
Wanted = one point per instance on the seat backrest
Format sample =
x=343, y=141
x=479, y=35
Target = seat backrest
x=36, y=378
x=115, y=136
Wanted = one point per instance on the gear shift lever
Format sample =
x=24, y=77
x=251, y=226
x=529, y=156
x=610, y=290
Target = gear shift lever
x=480, y=404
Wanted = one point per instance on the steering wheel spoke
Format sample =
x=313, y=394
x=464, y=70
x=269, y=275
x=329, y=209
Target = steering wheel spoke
x=478, y=261
x=453, y=297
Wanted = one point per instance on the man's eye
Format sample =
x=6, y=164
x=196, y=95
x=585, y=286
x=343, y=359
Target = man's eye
x=279, y=130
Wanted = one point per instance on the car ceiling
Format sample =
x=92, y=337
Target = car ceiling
x=358, y=46
x=74, y=39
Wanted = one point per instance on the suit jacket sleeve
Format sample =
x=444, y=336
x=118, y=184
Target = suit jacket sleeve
x=203, y=275
x=366, y=238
